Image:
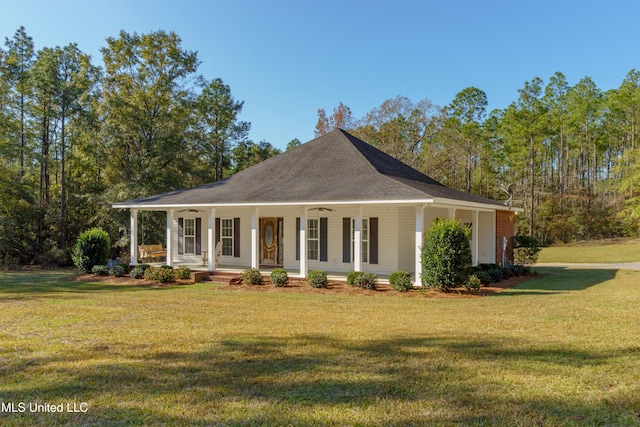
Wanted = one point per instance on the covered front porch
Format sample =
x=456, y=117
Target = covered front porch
x=337, y=238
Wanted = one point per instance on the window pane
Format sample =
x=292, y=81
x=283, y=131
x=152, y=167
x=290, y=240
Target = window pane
x=313, y=250
x=227, y=237
x=189, y=244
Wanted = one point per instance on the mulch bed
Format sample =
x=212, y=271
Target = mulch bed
x=334, y=288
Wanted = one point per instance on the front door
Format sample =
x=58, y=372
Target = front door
x=270, y=245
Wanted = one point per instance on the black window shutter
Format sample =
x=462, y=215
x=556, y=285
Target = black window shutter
x=323, y=239
x=198, y=236
x=297, y=239
x=346, y=239
x=180, y=235
x=373, y=240
x=236, y=237
x=217, y=231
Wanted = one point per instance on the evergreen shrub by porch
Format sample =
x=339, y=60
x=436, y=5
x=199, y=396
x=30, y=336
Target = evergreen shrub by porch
x=352, y=276
x=117, y=270
x=401, y=281
x=137, y=272
x=446, y=254
x=252, y=277
x=92, y=248
x=317, y=279
x=100, y=270
x=279, y=277
x=366, y=281
x=473, y=283
x=159, y=274
x=183, y=273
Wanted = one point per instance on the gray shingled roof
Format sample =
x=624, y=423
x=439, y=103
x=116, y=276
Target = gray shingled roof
x=336, y=167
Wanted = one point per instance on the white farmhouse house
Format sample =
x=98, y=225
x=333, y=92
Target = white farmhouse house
x=335, y=203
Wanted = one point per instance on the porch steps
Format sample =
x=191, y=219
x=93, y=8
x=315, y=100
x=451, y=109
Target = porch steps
x=225, y=277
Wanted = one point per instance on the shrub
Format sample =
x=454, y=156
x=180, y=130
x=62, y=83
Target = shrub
x=317, y=279
x=279, y=277
x=144, y=266
x=484, y=277
x=159, y=274
x=352, y=276
x=100, y=270
x=252, y=277
x=183, y=273
x=445, y=255
x=117, y=270
x=113, y=262
x=401, y=281
x=473, y=283
x=137, y=272
x=525, y=249
x=92, y=248
x=496, y=274
x=366, y=281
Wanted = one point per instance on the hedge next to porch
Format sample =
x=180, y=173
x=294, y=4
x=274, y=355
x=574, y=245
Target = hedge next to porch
x=446, y=254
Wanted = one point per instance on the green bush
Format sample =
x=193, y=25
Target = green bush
x=100, y=270
x=252, y=277
x=92, y=248
x=352, y=277
x=117, y=270
x=137, y=272
x=144, y=266
x=401, y=281
x=473, y=283
x=159, y=274
x=484, y=277
x=318, y=279
x=525, y=249
x=446, y=254
x=279, y=277
x=183, y=273
x=366, y=281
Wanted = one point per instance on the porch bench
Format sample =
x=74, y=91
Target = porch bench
x=151, y=252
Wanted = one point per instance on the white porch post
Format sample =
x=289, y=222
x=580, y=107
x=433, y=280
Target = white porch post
x=474, y=238
x=133, y=244
x=170, y=237
x=254, y=238
x=303, y=244
x=357, y=240
x=452, y=212
x=418, y=245
x=211, y=245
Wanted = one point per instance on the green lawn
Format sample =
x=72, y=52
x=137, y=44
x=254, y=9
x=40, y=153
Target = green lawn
x=592, y=252
x=560, y=350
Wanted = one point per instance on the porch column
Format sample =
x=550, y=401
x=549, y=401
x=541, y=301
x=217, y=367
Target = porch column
x=452, y=212
x=169, y=237
x=303, y=244
x=133, y=243
x=474, y=238
x=211, y=245
x=357, y=240
x=418, y=245
x=254, y=238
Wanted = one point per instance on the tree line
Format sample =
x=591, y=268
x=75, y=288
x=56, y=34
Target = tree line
x=571, y=153
x=76, y=136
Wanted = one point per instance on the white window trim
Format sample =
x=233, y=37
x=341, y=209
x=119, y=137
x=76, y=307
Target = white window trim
x=313, y=239
x=189, y=239
x=227, y=238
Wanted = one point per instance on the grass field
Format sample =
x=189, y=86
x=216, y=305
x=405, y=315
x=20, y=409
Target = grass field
x=593, y=252
x=561, y=350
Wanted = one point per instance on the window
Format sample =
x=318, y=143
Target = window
x=364, y=235
x=313, y=239
x=189, y=236
x=227, y=236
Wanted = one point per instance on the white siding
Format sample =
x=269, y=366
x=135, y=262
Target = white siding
x=406, y=238
x=486, y=236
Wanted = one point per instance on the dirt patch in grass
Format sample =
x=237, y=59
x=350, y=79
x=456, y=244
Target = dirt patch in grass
x=301, y=286
x=125, y=280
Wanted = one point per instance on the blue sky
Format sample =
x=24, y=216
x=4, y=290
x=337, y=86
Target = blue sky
x=285, y=59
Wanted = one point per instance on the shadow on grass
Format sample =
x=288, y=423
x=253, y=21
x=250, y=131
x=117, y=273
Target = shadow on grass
x=560, y=279
x=40, y=284
x=320, y=380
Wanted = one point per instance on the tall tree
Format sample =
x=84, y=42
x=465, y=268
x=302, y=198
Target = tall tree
x=18, y=62
x=146, y=93
x=218, y=127
x=341, y=118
